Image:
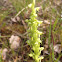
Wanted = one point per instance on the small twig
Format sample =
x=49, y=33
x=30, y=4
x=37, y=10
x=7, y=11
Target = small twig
x=25, y=33
x=21, y=35
x=24, y=24
x=20, y=11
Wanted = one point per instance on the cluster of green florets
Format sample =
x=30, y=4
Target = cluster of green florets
x=34, y=35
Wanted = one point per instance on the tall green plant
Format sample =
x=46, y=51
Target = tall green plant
x=34, y=35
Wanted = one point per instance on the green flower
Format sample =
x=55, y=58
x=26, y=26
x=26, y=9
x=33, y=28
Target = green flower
x=34, y=35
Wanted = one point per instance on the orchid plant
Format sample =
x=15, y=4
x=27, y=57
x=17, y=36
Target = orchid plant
x=34, y=35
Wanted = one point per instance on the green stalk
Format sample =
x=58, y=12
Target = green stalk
x=34, y=35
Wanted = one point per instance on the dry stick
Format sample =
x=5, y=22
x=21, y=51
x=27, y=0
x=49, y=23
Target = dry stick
x=22, y=20
x=20, y=11
x=25, y=33
x=24, y=24
x=21, y=35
